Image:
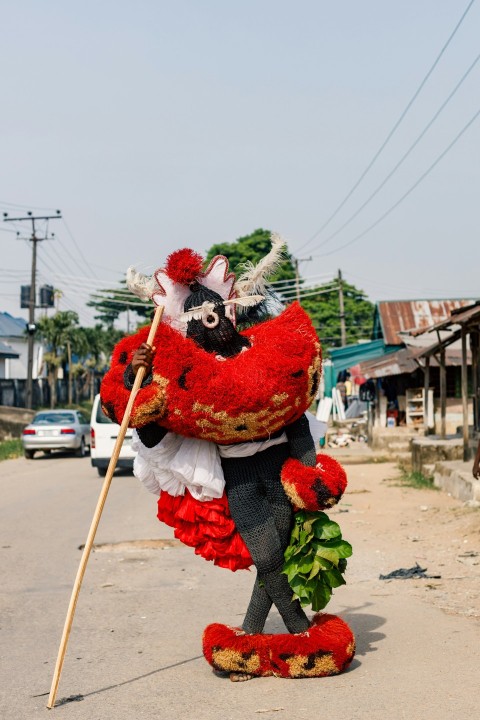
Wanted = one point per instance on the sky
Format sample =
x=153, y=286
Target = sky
x=156, y=125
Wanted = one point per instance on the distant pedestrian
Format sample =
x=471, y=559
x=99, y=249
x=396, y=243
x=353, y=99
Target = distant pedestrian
x=341, y=389
x=348, y=390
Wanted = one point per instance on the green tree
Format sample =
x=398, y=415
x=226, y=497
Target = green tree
x=82, y=352
x=324, y=309
x=110, y=304
x=58, y=333
x=252, y=247
x=99, y=343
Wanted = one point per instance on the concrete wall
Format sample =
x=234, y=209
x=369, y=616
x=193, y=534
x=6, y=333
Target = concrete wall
x=396, y=440
x=456, y=478
x=13, y=420
x=427, y=451
x=454, y=417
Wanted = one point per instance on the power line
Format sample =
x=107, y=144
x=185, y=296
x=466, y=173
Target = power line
x=409, y=191
x=278, y=284
x=403, y=158
x=7, y=230
x=34, y=239
x=83, y=280
x=307, y=292
x=72, y=304
x=393, y=130
x=87, y=264
x=25, y=207
x=122, y=303
x=57, y=260
x=306, y=283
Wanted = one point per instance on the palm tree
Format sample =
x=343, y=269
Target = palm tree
x=57, y=332
x=99, y=348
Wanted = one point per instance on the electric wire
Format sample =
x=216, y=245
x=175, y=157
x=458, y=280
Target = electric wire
x=290, y=293
x=392, y=131
x=112, y=301
x=408, y=192
x=71, y=304
x=8, y=230
x=314, y=293
x=26, y=207
x=278, y=285
x=86, y=263
x=67, y=228
x=402, y=159
x=290, y=286
x=57, y=260
x=308, y=292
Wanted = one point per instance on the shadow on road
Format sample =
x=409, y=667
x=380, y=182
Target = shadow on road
x=364, y=627
x=79, y=697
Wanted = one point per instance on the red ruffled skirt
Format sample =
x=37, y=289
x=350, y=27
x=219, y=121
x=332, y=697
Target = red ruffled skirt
x=206, y=526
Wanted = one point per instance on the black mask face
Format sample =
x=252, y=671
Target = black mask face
x=222, y=339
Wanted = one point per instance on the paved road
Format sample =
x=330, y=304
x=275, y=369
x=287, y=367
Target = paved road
x=135, y=648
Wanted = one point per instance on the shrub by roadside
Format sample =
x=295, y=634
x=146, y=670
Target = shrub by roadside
x=11, y=449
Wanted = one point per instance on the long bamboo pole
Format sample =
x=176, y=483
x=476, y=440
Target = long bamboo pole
x=96, y=518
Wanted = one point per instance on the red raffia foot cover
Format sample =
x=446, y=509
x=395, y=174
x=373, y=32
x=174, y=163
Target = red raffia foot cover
x=314, y=488
x=326, y=648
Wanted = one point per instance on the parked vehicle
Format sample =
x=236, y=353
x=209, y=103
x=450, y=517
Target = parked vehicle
x=49, y=430
x=103, y=434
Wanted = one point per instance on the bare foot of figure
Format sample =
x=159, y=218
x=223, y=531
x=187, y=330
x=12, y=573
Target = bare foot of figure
x=240, y=677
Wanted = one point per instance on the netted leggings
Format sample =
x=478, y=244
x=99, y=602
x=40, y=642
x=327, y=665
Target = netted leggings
x=263, y=516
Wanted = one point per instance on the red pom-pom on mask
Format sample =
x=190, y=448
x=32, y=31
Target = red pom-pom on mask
x=184, y=266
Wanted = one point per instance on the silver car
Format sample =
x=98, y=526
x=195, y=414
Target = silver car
x=57, y=430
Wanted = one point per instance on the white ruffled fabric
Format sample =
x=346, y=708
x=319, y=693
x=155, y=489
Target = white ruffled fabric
x=178, y=463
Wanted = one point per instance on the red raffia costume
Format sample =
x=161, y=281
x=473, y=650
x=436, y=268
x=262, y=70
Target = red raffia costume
x=220, y=428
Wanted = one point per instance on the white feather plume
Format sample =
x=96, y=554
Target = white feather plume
x=198, y=312
x=202, y=311
x=141, y=285
x=245, y=300
x=253, y=279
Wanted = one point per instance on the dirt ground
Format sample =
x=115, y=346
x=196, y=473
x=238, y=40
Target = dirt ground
x=392, y=525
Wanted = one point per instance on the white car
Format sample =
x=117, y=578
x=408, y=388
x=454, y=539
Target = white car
x=103, y=435
x=65, y=430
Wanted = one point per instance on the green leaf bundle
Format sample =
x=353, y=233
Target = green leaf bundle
x=316, y=558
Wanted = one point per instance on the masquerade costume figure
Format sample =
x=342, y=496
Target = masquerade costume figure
x=223, y=440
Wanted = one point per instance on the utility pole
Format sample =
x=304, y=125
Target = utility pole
x=343, y=329
x=297, y=280
x=297, y=274
x=32, y=302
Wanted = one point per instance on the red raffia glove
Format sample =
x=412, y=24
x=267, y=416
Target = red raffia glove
x=314, y=488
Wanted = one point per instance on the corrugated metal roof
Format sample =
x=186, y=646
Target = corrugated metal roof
x=395, y=363
x=460, y=316
x=403, y=315
x=11, y=327
x=405, y=362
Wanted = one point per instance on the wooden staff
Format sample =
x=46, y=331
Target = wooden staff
x=96, y=518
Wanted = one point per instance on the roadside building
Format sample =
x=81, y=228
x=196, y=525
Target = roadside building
x=392, y=366
x=14, y=361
